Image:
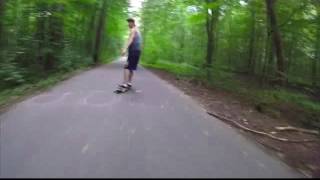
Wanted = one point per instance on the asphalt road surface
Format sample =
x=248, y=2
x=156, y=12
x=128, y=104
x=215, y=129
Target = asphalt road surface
x=81, y=129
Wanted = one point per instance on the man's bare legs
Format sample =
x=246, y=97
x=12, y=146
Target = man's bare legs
x=130, y=77
x=127, y=77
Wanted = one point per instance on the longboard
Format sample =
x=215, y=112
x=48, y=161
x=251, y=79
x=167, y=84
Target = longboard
x=122, y=90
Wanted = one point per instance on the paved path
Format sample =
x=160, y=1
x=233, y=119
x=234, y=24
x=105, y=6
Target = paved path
x=81, y=128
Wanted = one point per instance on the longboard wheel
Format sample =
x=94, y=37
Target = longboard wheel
x=121, y=90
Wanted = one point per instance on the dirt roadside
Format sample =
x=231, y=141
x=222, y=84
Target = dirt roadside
x=303, y=156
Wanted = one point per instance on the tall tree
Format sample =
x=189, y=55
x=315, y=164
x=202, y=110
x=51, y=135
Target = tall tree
x=89, y=34
x=251, y=59
x=317, y=48
x=99, y=31
x=277, y=41
x=212, y=15
x=211, y=21
x=56, y=35
x=41, y=37
x=2, y=3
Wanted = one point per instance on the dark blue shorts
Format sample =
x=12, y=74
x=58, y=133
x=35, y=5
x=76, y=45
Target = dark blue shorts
x=133, y=60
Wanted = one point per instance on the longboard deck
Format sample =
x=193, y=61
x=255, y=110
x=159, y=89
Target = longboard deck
x=122, y=90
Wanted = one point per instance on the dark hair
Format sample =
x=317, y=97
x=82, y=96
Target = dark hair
x=131, y=20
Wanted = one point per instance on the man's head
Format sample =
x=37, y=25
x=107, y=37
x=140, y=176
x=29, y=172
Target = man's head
x=131, y=22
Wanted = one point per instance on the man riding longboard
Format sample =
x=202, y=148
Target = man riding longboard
x=133, y=47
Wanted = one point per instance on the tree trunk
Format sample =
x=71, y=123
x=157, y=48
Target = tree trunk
x=268, y=68
x=258, y=65
x=317, y=52
x=182, y=45
x=251, y=61
x=266, y=52
x=210, y=42
x=99, y=33
x=210, y=26
x=2, y=3
x=89, y=36
x=230, y=47
x=56, y=36
x=41, y=32
x=277, y=42
x=291, y=53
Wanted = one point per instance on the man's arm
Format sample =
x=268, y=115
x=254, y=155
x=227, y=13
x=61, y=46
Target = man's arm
x=130, y=40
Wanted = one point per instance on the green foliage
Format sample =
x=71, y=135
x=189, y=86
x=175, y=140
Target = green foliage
x=177, y=33
x=43, y=41
x=40, y=38
x=178, y=69
x=10, y=74
x=285, y=96
x=176, y=38
x=10, y=95
x=71, y=60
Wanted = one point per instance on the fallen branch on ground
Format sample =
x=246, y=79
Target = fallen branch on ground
x=259, y=132
x=290, y=128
